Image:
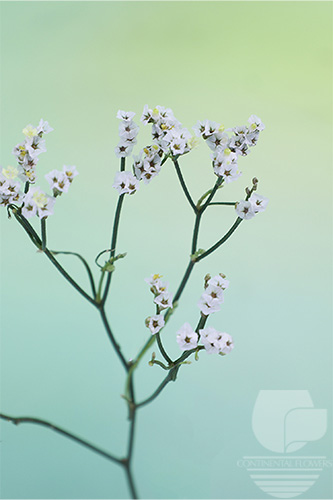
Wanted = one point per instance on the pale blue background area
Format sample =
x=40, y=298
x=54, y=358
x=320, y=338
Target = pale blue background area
x=75, y=64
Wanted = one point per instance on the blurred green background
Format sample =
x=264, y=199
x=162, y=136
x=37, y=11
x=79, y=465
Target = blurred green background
x=75, y=64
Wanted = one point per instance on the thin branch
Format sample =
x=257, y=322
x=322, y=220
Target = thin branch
x=217, y=185
x=43, y=232
x=221, y=241
x=84, y=262
x=113, y=243
x=161, y=348
x=171, y=376
x=113, y=340
x=231, y=203
x=183, y=185
x=37, y=241
x=73, y=437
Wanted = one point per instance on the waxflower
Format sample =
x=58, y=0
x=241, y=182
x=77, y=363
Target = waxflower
x=245, y=210
x=259, y=203
x=155, y=323
x=187, y=338
x=36, y=202
x=125, y=183
x=215, y=341
x=128, y=130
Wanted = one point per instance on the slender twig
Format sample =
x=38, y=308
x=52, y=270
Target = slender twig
x=221, y=241
x=231, y=203
x=36, y=239
x=73, y=437
x=184, y=281
x=183, y=185
x=113, y=340
x=217, y=185
x=196, y=232
x=131, y=439
x=170, y=376
x=84, y=262
x=43, y=232
x=113, y=242
x=161, y=348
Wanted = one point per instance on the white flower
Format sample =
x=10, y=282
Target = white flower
x=238, y=144
x=259, y=203
x=128, y=127
x=226, y=344
x=30, y=131
x=10, y=191
x=125, y=182
x=146, y=114
x=164, y=300
x=70, y=172
x=10, y=172
x=44, y=127
x=125, y=115
x=219, y=281
x=35, y=145
x=255, y=123
x=218, y=140
x=155, y=323
x=199, y=128
x=229, y=173
x=37, y=202
x=20, y=151
x=187, y=338
x=123, y=149
x=210, y=339
x=215, y=292
x=208, y=305
x=245, y=210
x=58, y=181
x=215, y=341
x=153, y=279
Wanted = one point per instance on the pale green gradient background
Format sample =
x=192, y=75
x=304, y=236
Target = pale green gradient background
x=75, y=64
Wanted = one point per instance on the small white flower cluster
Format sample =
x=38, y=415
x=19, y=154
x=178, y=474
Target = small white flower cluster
x=27, y=152
x=128, y=130
x=34, y=201
x=212, y=298
x=162, y=299
x=124, y=181
x=210, y=301
x=212, y=340
x=61, y=180
x=248, y=209
x=10, y=187
x=148, y=163
x=227, y=149
x=167, y=132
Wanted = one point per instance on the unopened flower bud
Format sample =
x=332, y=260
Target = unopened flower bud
x=207, y=278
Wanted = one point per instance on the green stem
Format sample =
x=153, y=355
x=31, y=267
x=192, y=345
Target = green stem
x=231, y=203
x=73, y=437
x=221, y=241
x=183, y=185
x=113, y=242
x=84, y=262
x=196, y=232
x=161, y=348
x=171, y=376
x=113, y=340
x=37, y=241
x=43, y=232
